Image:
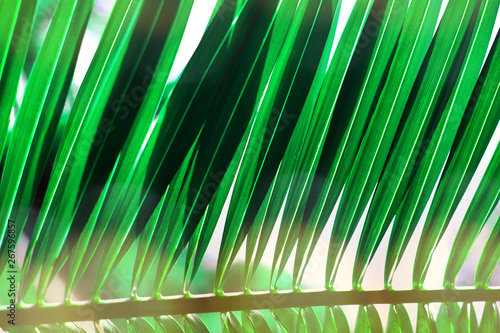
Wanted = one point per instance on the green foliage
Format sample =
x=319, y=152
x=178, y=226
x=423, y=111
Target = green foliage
x=282, y=120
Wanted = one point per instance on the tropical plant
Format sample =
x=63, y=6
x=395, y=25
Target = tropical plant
x=285, y=120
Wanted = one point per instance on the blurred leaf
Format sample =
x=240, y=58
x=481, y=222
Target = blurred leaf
x=233, y=323
x=490, y=321
x=396, y=175
x=447, y=317
x=362, y=321
x=312, y=320
x=429, y=170
x=287, y=318
x=168, y=324
x=194, y=324
x=140, y=325
x=258, y=321
x=484, y=202
x=409, y=55
x=105, y=326
x=489, y=257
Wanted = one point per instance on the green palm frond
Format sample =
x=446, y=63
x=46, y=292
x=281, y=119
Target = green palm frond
x=257, y=183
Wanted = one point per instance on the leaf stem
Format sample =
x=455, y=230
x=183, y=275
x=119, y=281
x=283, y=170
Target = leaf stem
x=127, y=308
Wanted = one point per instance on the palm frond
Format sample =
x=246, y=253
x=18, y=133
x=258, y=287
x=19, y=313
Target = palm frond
x=178, y=192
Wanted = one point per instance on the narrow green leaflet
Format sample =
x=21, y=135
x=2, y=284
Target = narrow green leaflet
x=72, y=328
x=312, y=320
x=36, y=91
x=214, y=210
x=249, y=166
x=303, y=46
x=489, y=259
x=77, y=263
x=440, y=144
x=145, y=247
x=8, y=16
x=217, y=151
x=297, y=102
x=483, y=203
x=414, y=42
x=393, y=324
x=298, y=164
x=396, y=175
x=246, y=324
x=9, y=80
x=490, y=321
x=329, y=324
x=173, y=232
x=425, y=321
x=167, y=324
x=398, y=320
x=287, y=318
x=172, y=21
x=313, y=125
x=374, y=318
x=49, y=328
x=278, y=35
x=340, y=319
x=404, y=318
x=298, y=208
x=460, y=169
x=300, y=326
x=140, y=325
x=106, y=326
x=193, y=323
x=362, y=321
x=23, y=329
x=52, y=108
x=67, y=158
x=258, y=321
x=467, y=320
x=447, y=317
x=38, y=156
x=339, y=151
x=223, y=324
x=233, y=323
x=148, y=249
x=251, y=263
x=142, y=126
x=192, y=244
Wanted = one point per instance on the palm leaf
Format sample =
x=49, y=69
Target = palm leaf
x=296, y=132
